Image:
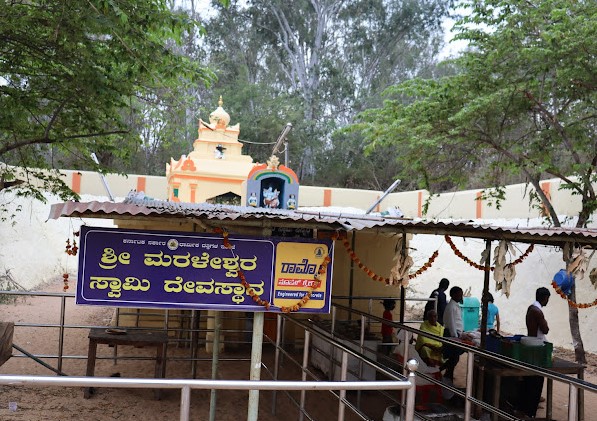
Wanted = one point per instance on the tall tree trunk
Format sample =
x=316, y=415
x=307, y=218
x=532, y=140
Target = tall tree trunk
x=579, y=347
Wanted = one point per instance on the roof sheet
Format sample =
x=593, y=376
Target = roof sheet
x=211, y=215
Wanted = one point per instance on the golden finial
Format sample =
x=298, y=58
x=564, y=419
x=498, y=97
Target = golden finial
x=220, y=102
x=273, y=162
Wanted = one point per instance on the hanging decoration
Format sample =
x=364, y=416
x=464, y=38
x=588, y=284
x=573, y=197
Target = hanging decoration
x=503, y=273
x=380, y=278
x=578, y=264
x=70, y=250
x=570, y=302
x=483, y=267
x=399, y=273
x=256, y=298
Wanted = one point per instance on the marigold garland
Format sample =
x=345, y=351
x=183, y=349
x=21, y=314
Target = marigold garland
x=243, y=280
x=380, y=278
x=71, y=251
x=570, y=302
x=481, y=267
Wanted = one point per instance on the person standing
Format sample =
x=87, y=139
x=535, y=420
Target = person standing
x=453, y=328
x=438, y=294
x=536, y=326
x=493, y=314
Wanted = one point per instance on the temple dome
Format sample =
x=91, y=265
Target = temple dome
x=220, y=117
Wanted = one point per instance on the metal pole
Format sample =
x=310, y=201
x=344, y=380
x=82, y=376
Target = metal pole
x=185, y=403
x=61, y=334
x=255, y=373
x=115, y=351
x=362, y=349
x=402, y=303
x=383, y=196
x=304, y=374
x=102, y=177
x=412, y=366
x=193, y=344
x=332, y=370
x=405, y=372
x=469, y=385
x=341, y=404
x=214, y=363
x=485, y=294
x=351, y=274
x=277, y=358
x=573, y=403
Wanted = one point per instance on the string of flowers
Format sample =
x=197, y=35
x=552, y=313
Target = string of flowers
x=481, y=267
x=70, y=251
x=570, y=302
x=257, y=299
x=380, y=278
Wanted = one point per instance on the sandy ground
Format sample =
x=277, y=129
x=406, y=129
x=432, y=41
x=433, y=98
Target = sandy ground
x=53, y=403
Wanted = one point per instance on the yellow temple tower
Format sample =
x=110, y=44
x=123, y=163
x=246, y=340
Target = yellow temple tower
x=215, y=169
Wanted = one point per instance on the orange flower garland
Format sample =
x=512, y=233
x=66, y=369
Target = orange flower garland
x=380, y=278
x=243, y=280
x=481, y=267
x=570, y=302
x=71, y=251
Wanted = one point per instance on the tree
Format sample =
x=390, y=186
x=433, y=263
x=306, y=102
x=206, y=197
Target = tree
x=316, y=63
x=70, y=72
x=523, y=102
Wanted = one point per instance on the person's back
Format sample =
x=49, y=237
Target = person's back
x=438, y=295
x=493, y=314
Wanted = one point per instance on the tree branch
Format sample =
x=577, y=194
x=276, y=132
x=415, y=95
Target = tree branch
x=47, y=140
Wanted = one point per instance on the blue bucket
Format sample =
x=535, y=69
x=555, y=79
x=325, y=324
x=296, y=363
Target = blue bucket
x=564, y=281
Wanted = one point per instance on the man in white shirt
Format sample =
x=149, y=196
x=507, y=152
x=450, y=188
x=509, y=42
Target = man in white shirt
x=454, y=327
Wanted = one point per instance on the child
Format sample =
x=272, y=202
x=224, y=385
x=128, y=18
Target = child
x=386, y=329
x=493, y=314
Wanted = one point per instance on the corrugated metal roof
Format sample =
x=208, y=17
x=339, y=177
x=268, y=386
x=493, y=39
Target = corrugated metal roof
x=210, y=214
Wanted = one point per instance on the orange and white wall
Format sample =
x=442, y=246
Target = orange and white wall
x=458, y=205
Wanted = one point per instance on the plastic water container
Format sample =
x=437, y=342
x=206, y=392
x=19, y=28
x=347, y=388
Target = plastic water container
x=564, y=280
x=470, y=313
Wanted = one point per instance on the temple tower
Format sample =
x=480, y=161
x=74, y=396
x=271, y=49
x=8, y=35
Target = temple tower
x=215, y=169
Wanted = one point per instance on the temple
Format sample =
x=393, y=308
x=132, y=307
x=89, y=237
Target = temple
x=216, y=168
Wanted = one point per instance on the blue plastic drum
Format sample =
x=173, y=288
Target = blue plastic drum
x=564, y=281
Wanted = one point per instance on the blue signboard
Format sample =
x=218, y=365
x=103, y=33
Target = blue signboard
x=130, y=268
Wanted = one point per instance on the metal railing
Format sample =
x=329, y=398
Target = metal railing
x=398, y=382
x=340, y=355
x=186, y=385
x=576, y=386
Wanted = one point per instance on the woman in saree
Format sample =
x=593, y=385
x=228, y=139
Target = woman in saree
x=430, y=349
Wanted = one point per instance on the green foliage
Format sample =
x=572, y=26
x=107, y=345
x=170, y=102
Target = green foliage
x=521, y=103
x=316, y=64
x=71, y=73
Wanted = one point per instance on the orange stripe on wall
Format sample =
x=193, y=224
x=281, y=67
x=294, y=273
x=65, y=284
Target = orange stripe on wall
x=76, y=184
x=378, y=207
x=546, y=187
x=327, y=197
x=193, y=192
x=141, y=181
x=479, y=206
x=420, y=205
